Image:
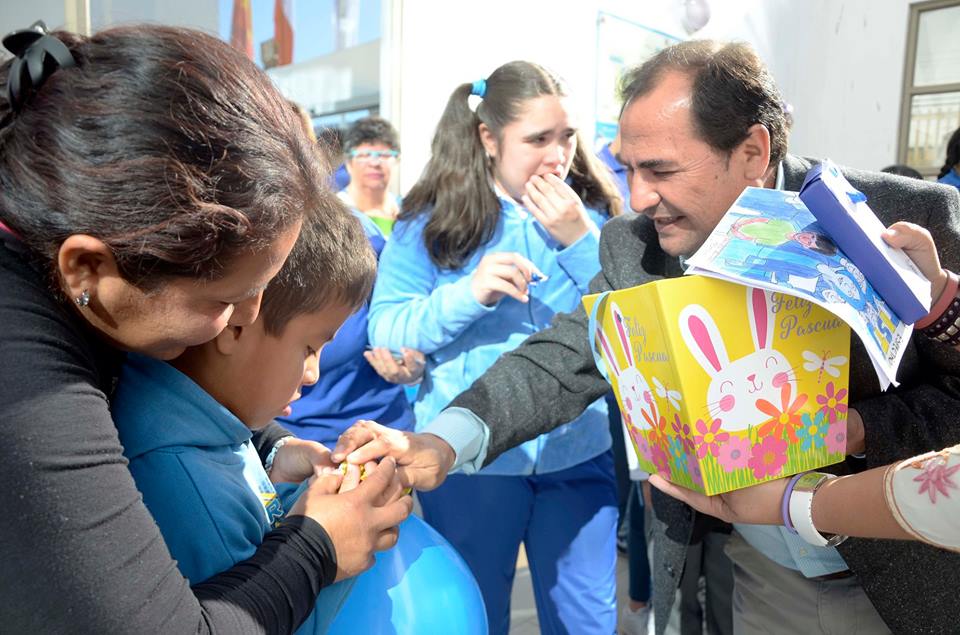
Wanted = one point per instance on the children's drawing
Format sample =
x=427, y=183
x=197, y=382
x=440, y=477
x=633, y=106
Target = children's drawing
x=770, y=239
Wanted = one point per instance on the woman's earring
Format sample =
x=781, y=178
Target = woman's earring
x=83, y=299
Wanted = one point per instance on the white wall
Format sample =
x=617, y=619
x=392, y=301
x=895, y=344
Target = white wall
x=839, y=62
x=19, y=15
x=442, y=44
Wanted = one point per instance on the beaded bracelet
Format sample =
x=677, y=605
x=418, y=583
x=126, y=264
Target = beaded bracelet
x=943, y=322
x=268, y=464
x=947, y=328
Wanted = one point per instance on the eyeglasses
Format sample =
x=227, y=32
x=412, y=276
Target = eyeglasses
x=369, y=156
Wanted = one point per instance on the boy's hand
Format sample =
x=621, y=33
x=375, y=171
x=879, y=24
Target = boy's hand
x=298, y=460
x=407, y=370
x=360, y=521
x=917, y=242
x=423, y=460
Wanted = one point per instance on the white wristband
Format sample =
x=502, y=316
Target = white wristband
x=801, y=510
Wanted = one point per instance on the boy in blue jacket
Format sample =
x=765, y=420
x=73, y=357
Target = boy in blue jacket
x=186, y=425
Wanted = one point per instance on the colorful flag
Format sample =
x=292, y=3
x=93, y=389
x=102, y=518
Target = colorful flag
x=241, y=30
x=283, y=30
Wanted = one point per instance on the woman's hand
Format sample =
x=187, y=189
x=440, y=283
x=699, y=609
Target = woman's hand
x=360, y=517
x=503, y=274
x=756, y=505
x=298, y=460
x=423, y=460
x=407, y=370
x=917, y=242
x=558, y=208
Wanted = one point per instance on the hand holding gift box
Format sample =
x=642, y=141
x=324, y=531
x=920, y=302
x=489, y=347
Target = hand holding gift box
x=724, y=386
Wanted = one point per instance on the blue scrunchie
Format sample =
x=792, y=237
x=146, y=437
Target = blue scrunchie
x=479, y=88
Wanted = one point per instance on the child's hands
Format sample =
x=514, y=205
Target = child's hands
x=298, y=460
x=558, y=208
x=423, y=460
x=503, y=274
x=408, y=370
x=919, y=245
x=360, y=521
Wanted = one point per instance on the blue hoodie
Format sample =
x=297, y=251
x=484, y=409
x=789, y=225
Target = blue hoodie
x=201, y=477
x=418, y=305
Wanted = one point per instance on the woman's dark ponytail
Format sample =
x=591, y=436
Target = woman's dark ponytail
x=456, y=186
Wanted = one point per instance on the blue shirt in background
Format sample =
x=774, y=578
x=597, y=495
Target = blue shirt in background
x=951, y=178
x=619, y=174
x=418, y=305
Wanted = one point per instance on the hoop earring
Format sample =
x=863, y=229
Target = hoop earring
x=83, y=299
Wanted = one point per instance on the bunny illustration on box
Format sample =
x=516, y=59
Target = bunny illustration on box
x=733, y=398
x=736, y=387
x=634, y=390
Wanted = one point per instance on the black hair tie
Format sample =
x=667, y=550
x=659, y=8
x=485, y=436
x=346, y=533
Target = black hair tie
x=38, y=55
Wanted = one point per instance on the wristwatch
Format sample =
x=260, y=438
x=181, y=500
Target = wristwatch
x=801, y=510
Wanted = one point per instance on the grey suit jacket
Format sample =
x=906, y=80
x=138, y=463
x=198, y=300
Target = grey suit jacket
x=551, y=378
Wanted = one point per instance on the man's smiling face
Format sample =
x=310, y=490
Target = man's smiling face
x=676, y=178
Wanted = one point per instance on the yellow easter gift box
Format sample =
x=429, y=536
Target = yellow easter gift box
x=723, y=386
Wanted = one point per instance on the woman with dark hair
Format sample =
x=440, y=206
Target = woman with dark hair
x=950, y=172
x=498, y=235
x=152, y=182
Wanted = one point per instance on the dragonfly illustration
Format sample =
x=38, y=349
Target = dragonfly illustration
x=823, y=364
x=665, y=393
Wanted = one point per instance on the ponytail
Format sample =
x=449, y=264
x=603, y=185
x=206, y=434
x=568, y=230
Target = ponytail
x=455, y=187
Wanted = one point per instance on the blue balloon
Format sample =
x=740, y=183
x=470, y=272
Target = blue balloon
x=422, y=585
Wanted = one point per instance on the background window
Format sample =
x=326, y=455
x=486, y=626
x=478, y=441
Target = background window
x=930, y=111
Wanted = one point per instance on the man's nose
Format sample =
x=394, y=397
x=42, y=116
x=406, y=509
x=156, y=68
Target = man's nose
x=642, y=195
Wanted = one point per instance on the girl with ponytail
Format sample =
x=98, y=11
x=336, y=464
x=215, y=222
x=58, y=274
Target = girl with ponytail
x=498, y=236
x=950, y=172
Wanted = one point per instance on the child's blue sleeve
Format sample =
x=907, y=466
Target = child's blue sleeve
x=409, y=306
x=199, y=542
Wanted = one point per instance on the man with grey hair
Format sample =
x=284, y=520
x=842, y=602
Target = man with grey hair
x=701, y=122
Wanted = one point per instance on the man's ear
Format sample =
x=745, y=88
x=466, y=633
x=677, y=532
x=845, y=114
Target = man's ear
x=229, y=339
x=488, y=139
x=84, y=262
x=753, y=153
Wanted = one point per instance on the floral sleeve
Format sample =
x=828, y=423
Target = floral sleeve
x=924, y=496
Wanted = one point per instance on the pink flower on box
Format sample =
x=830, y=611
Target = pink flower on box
x=768, y=457
x=643, y=446
x=682, y=431
x=709, y=437
x=693, y=468
x=831, y=403
x=661, y=460
x=837, y=437
x=734, y=454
